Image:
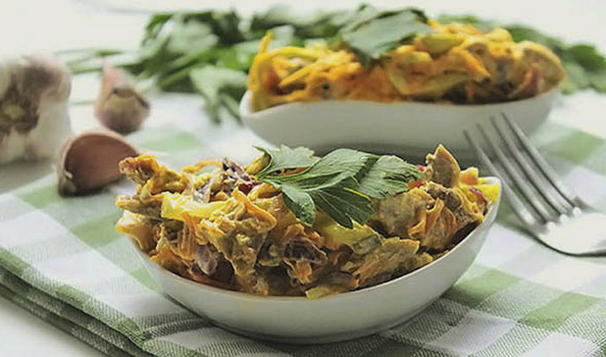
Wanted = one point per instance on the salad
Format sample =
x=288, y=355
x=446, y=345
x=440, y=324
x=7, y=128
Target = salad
x=430, y=61
x=294, y=224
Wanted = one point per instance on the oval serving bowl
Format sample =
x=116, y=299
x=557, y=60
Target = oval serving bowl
x=400, y=127
x=330, y=319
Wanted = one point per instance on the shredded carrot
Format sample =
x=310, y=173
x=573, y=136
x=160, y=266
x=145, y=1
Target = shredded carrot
x=458, y=62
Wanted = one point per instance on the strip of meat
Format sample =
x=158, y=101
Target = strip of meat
x=442, y=168
x=383, y=262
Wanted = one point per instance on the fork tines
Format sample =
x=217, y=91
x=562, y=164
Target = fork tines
x=531, y=186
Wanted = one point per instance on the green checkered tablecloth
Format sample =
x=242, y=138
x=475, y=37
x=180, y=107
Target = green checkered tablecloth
x=61, y=260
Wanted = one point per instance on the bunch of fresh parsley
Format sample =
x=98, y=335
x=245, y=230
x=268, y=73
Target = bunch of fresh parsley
x=210, y=52
x=340, y=184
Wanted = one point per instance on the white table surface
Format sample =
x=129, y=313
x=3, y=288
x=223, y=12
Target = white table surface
x=50, y=25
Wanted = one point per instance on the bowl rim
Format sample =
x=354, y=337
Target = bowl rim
x=245, y=106
x=492, y=211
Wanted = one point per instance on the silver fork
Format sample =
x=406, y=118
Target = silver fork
x=548, y=209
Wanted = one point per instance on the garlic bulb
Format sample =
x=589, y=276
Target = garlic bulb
x=90, y=160
x=34, y=120
x=119, y=106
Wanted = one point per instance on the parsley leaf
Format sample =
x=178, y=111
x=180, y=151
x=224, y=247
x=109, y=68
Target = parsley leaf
x=191, y=37
x=388, y=176
x=598, y=80
x=588, y=57
x=300, y=202
x=343, y=203
x=217, y=84
x=286, y=158
x=361, y=16
x=341, y=163
x=334, y=195
x=378, y=35
x=340, y=184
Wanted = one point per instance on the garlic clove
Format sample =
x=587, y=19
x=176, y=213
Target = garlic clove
x=119, y=106
x=89, y=161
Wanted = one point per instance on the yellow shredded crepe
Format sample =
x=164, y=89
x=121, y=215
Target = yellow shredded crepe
x=223, y=228
x=457, y=63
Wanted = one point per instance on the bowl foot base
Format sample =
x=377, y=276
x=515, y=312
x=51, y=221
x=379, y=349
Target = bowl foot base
x=322, y=339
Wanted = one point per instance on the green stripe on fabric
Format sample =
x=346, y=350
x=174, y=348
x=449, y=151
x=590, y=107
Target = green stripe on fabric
x=75, y=211
x=159, y=319
x=99, y=231
x=394, y=349
x=552, y=315
x=473, y=272
x=130, y=328
x=472, y=292
x=68, y=312
x=230, y=345
x=144, y=278
x=436, y=320
x=154, y=133
x=364, y=346
x=589, y=325
x=167, y=348
x=41, y=196
x=507, y=217
x=48, y=249
x=176, y=142
x=553, y=132
x=55, y=320
x=515, y=342
x=575, y=147
x=12, y=207
x=8, y=294
x=121, y=252
x=12, y=263
x=88, y=305
x=518, y=300
x=550, y=132
x=169, y=324
x=106, y=343
x=72, y=296
x=173, y=327
x=100, y=234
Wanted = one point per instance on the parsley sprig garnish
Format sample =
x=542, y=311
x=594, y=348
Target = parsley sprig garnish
x=340, y=184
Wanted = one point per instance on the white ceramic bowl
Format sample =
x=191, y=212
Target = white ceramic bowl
x=411, y=128
x=329, y=319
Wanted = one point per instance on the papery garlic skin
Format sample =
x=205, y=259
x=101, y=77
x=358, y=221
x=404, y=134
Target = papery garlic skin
x=36, y=88
x=120, y=107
